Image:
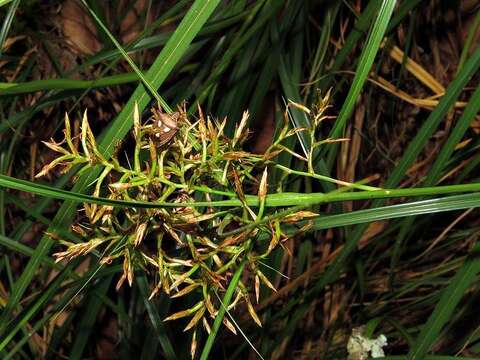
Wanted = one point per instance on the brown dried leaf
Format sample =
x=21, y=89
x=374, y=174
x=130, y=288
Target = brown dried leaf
x=155, y=291
x=271, y=154
x=136, y=122
x=173, y=234
x=119, y=186
x=195, y=319
x=140, y=233
x=178, y=315
x=263, y=188
x=229, y=326
x=184, y=313
x=266, y=281
x=186, y=290
x=206, y=325
x=236, y=155
x=252, y=312
x=120, y=282
x=299, y=106
x=299, y=215
x=78, y=28
x=56, y=146
x=180, y=280
x=193, y=346
x=210, y=307
x=240, y=133
x=235, y=239
x=77, y=250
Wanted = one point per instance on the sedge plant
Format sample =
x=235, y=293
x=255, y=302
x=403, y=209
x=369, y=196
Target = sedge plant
x=185, y=249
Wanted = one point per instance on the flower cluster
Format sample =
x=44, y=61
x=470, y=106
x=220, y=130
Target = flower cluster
x=211, y=197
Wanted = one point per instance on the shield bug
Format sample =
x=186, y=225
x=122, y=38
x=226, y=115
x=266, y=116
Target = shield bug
x=164, y=126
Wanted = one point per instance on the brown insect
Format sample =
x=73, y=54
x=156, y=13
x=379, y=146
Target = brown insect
x=164, y=127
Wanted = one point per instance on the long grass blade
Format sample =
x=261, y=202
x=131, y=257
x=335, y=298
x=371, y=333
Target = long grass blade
x=88, y=319
x=7, y=22
x=272, y=200
x=221, y=312
x=451, y=296
x=156, y=319
x=364, y=65
x=65, y=84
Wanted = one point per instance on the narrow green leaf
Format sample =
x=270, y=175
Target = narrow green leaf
x=24, y=250
x=425, y=207
x=451, y=296
x=87, y=321
x=462, y=125
x=7, y=22
x=273, y=200
x=155, y=318
x=361, y=27
x=468, y=42
x=221, y=311
x=365, y=62
x=5, y=2
x=21, y=320
x=153, y=91
x=65, y=84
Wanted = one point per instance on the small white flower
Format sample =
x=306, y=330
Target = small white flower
x=359, y=347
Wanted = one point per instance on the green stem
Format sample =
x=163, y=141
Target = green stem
x=468, y=42
x=325, y=178
x=221, y=311
x=65, y=84
x=272, y=200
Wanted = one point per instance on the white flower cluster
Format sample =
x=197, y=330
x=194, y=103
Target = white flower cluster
x=360, y=347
